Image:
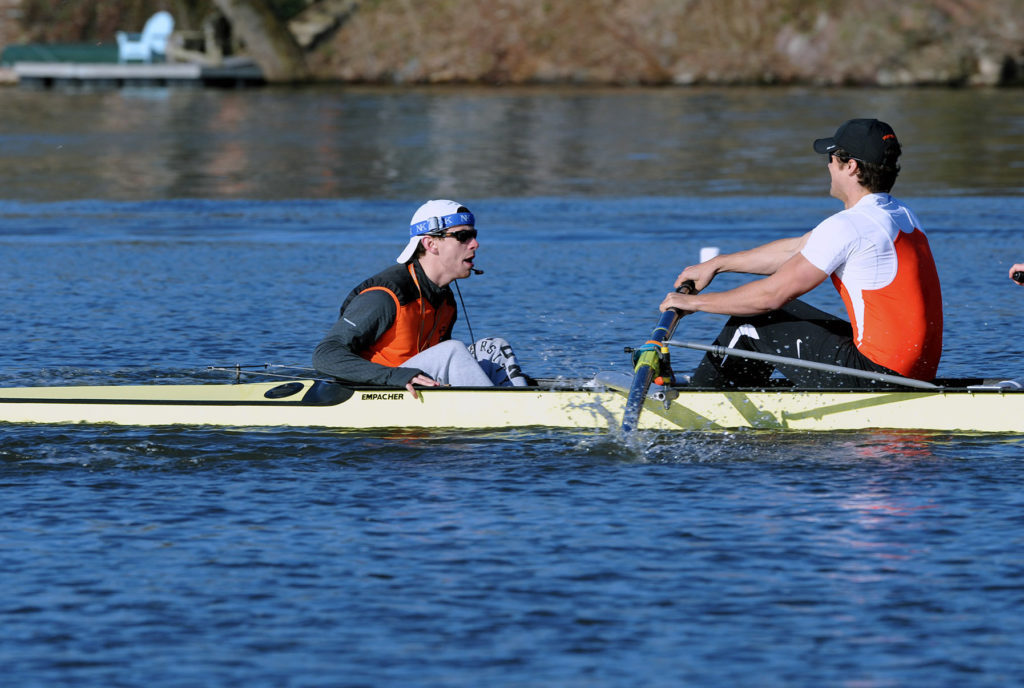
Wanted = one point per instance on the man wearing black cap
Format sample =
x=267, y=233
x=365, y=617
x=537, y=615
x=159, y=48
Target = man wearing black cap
x=878, y=259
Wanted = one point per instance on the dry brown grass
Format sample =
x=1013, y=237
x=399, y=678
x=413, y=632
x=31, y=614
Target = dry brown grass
x=74, y=21
x=626, y=41
x=675, y=41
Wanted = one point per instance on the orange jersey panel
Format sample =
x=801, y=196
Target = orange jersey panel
x=902, y=325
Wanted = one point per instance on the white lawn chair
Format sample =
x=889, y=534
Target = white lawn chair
x=151, y=42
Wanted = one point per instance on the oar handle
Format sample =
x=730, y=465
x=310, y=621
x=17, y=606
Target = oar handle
x=687, y=287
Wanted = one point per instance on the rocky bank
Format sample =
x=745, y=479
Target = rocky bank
x=637, y=42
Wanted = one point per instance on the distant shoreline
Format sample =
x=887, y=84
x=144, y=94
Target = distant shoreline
x=830, y=43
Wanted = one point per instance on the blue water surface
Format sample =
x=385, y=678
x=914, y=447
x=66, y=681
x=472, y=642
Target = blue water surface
x=173, y=557
x=186, y=556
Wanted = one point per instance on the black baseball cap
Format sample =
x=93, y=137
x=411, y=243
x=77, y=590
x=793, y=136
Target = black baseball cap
x=868, y=140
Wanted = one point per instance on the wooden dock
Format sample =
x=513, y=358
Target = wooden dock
x=94, y=65
x=231, y=74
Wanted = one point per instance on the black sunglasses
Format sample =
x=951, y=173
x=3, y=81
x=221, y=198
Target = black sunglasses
x=461, y=236
x=842, y=157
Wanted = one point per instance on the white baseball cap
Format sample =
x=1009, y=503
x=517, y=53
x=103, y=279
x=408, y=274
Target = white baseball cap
x=434, y=217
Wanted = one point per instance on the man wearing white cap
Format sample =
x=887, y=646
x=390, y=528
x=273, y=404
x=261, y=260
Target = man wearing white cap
x=395, y=328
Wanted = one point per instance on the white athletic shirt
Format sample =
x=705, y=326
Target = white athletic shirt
x=882, y=266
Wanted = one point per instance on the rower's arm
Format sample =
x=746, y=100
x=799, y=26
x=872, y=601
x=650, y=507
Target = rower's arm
x=367, y=317
x=765, y=259
x=795, y=277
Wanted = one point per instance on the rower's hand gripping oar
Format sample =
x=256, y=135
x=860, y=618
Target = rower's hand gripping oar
x=651, y=360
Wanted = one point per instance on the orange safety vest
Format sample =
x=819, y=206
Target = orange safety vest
x=418, y=324
x=902, y=328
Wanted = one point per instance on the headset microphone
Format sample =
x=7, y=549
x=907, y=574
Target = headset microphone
x=477, y=272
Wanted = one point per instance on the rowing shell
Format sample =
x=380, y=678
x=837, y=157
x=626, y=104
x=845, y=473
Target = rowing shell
x=955, y=406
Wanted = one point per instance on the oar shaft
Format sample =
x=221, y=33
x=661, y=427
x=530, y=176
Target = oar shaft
x=648, y=362
x=646, y=365
x=813, y=365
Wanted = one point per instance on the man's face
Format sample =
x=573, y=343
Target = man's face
x=839, y=172
x=456, y=251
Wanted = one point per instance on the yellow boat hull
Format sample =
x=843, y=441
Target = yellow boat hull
x=305, y=403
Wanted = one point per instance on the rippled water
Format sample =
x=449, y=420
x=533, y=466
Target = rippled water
x=483, y=143
x=189, y=556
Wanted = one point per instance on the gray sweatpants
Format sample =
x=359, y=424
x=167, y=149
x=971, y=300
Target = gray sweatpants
x=489, y=362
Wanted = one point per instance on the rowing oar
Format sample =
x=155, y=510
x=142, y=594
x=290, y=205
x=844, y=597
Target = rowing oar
x=651, y=361
x=813, y=365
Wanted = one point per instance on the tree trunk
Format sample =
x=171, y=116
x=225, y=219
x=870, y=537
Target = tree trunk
x=267, y=40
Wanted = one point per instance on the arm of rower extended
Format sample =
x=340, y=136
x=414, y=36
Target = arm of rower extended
x=795, y=277
x=765, y=259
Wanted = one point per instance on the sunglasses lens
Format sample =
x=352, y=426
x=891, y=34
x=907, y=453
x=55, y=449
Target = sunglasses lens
x=461, y=236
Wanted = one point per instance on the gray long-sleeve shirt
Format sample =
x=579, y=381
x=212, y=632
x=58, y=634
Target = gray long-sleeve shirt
x=363, y=321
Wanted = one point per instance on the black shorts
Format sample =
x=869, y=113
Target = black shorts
x=796, y=330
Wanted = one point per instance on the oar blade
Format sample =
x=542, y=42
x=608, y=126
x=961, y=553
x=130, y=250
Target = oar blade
x=637, y=395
